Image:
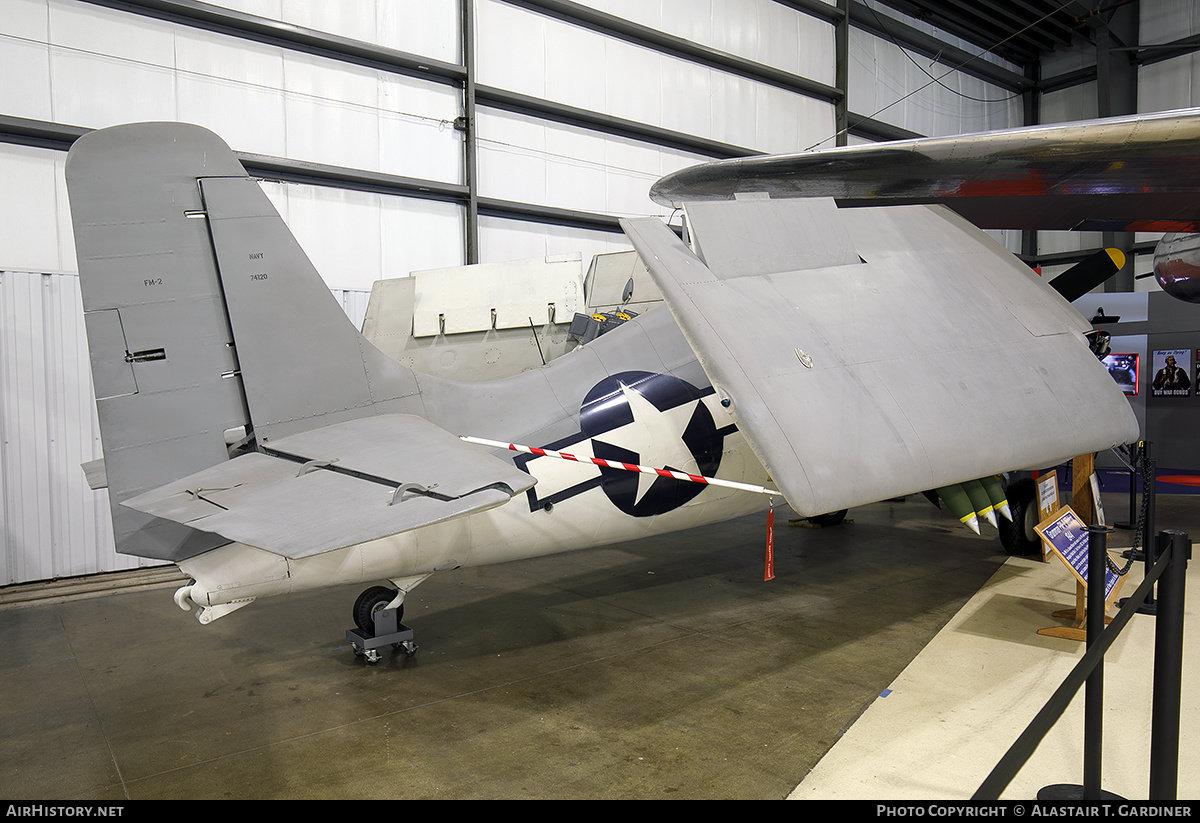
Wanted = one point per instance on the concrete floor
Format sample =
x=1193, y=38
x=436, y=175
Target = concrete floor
x=963, y=701
x=662, y=668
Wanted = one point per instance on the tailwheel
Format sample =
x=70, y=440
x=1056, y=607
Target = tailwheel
x=373, y=600
x=378, y=625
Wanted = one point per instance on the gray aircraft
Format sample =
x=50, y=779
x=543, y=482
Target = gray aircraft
x=828, y=356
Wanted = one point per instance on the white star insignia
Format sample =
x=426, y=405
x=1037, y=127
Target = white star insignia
x=655, y=436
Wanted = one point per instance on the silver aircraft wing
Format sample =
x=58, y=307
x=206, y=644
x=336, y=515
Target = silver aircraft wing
x=339, y=485
x=1112, y=174
x=868, y=353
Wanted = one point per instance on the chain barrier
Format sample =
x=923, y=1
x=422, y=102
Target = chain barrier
x=1140, y=466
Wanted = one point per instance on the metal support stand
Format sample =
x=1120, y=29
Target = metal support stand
x=388, y=631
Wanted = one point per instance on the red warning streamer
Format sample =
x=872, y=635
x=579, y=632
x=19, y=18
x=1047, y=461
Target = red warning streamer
x=769, y=573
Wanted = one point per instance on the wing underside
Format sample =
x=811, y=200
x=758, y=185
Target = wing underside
x=874, y=352
x=339, y=485
x=1113, y=174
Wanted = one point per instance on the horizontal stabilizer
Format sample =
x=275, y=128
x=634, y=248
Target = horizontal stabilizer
x=94, y=473
x=339, y=485
x=928, y=356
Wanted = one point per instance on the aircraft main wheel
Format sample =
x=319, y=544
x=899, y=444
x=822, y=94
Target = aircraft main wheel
x=371, y=601
x=1017, y=535
x=830, y=519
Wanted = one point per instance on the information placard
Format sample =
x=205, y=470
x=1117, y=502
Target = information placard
x=1067, y=536
x=1047, y=491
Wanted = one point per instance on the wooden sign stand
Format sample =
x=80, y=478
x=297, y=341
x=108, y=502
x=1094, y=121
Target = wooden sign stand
x=1067, y=538
x=1082, y=469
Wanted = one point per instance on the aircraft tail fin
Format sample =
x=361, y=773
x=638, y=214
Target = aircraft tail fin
x=204, y=316
x=163, y=363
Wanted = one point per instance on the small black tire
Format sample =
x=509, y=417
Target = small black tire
x=371, y=601
x=830, y=519
x=1017, y=535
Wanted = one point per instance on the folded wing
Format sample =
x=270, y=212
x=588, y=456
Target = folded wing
x=873, y=352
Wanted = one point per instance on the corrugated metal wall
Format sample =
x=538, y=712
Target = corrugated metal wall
x=51, y=523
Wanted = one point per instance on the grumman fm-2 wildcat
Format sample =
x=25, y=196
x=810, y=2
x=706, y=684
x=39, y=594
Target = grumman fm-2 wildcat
x=832, y=354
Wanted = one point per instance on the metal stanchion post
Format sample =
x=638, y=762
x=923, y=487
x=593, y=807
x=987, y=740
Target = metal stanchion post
x=1093, y=690
x=1168, y=671
x=1093, y=713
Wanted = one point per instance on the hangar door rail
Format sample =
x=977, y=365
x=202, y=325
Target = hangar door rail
x=1171, y=567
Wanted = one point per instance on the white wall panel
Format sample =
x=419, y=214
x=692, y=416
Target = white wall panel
x=331, y=112
x=1069, y=104
x=1053, y=242
x=1171, y=84
x=529, y=160
x=416, y=130
x=1161, y=21
x=578, y=67
x=419, y=235
x=428, y=27
x=26, y=90
x=764, y=31
x=233, y=87
x=102, y=66
x=355, y=238
x=25, y=19
x=914, y=92
x=1143, y=264
x=35, y=221
x=501, y=239
x=575, y=59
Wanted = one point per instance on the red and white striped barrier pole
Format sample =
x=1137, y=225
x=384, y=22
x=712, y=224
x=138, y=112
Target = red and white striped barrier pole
x=629, y=467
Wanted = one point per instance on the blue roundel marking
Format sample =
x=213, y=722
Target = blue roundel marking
x=606, y=408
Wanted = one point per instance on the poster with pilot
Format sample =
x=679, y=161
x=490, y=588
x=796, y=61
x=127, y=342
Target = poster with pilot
x=1170, y=378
